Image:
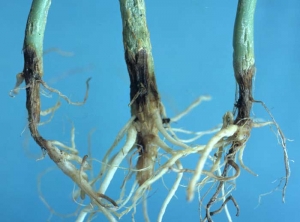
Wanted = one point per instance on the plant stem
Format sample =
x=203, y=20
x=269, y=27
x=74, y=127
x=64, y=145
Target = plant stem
x=244, y=70
x=33, y=62
x=35, y=28
x=243, y=57
x=243, y=44
x=144, y=97
x=135, y=31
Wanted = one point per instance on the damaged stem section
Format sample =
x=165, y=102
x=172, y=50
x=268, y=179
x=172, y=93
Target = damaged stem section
x=244, y=71
x=145, y=101
x=135, y=31
x=33, y=63
x=32, y=74
x=35, y=29
x=243, y=57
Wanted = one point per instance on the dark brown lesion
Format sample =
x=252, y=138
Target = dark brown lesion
x=145, y=101
x=32, y=74
x=138, y=72
x=143, y=89
x=245, y=100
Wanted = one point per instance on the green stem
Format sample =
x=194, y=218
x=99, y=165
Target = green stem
x=243, y=57
x=35, y=28
x=135, y=31
x=243, y=44
x=33, y=62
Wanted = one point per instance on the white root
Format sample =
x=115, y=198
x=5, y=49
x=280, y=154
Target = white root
x=115, y=143
x=145, y=208
x=19, y=81
x=240, y=158
x=69, y=169
x=131, y=136
x=132, y=194
x=190, y=107
x=226, y=132
x=198, y=134
x=171, y=192
x=164, y=132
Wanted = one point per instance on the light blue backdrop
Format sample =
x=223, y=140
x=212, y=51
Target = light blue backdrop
x=192, y=49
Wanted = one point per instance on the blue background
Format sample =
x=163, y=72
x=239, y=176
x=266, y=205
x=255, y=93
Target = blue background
x=192, y=49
